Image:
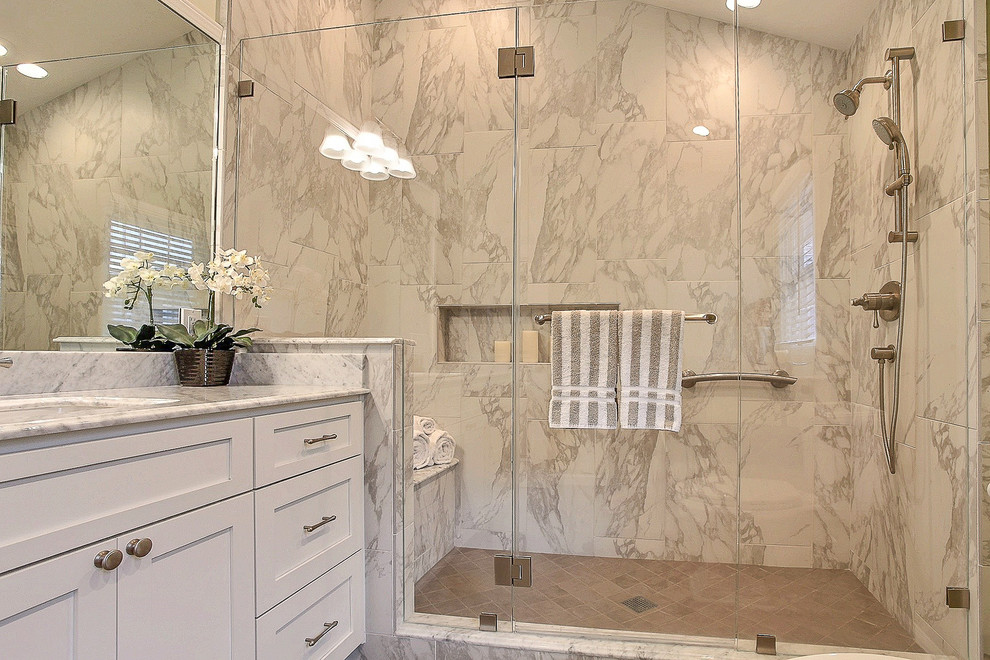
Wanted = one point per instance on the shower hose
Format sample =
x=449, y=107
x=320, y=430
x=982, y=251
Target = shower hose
x=889, y=443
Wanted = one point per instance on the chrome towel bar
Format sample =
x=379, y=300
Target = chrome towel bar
x=708, y=318
x=779, y=378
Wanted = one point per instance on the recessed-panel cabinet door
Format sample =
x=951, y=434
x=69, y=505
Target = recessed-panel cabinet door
x=60, y=609
x=191, y=595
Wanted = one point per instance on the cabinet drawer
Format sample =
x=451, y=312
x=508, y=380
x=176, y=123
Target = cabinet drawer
x=62, y=497
x=335, y=599
x=289, y=556
x=290, y=443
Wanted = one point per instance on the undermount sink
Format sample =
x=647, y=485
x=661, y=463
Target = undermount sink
x=45, y=408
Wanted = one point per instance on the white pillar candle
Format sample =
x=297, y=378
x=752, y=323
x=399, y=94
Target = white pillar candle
x=503, y=351
x=531, y=346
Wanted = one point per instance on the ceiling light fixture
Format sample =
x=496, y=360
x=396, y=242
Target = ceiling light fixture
x=701, y=130
x=745, y=4
x=374, y=171
x=403, y=169
x=354, y=160
x=3, y=50
x=369, y=143
x=31, y=70
x=335, y=145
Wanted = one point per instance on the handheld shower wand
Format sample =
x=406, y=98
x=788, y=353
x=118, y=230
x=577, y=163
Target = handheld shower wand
x=889, y=131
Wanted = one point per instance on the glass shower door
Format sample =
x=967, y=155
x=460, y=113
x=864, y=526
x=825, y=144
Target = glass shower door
x=425, y=256
x=859, y=557
x=627, y=201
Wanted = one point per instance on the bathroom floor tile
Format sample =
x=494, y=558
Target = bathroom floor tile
x=799, y=605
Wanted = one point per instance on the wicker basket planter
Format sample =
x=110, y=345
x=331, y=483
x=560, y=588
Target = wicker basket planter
x=199, y=367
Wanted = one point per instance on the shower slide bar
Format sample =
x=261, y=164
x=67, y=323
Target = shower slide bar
x=708, y=318
x=778, y=379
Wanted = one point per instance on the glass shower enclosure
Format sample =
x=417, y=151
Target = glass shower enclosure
x=664, y=155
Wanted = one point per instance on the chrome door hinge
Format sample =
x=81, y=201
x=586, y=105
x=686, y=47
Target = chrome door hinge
x=245, y=89
x=954, y=30
x=513, y=571
x=8, y=112
x=957, y=598
x=516, y=62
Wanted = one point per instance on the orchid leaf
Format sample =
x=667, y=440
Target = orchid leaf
x=176, y=333
x=123, y=333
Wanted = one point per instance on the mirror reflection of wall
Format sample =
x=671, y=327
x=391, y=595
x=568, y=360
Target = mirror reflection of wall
x=109, y=154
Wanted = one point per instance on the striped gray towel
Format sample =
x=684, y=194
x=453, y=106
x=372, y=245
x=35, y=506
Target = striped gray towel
x=650, y=369
x=584, y=350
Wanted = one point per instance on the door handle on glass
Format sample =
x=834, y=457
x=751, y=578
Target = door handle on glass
x=108, y=560
x=324, y=521
x=327, y=627
x=322, y=438
x=138, y=547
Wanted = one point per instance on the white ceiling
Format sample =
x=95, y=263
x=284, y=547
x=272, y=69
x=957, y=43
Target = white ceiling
x=47, y=30
x=832, y=23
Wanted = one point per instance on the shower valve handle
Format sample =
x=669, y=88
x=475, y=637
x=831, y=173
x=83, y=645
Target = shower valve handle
x=886, y=304
x=877, y=301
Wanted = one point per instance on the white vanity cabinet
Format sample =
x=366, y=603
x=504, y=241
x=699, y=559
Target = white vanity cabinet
x=163, y=544
x=61, y=608
x=190, y=596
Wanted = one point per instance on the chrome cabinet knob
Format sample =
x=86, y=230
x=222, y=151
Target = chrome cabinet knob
x=138, y=547
x=108, y=560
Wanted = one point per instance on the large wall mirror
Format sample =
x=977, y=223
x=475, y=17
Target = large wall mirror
x=112, y=151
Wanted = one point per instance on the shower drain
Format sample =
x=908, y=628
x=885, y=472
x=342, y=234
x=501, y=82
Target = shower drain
x=639, y=604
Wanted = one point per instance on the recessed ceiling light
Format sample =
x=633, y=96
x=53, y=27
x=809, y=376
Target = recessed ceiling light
x=3, y=50
x=745, y=4
x=31, y=70
x=701, y=130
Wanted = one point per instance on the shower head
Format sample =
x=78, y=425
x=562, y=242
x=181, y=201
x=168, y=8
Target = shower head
x=847, y=101
x=887, y=131
x=890, y=133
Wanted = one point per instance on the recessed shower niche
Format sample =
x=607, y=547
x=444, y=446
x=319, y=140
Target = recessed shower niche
x=474, y=333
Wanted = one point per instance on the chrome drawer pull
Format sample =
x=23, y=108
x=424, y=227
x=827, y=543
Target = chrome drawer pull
x=326, y=519
x=327, y=627
x=322, y=438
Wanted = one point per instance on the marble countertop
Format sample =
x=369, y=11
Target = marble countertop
x=260, y=342
x=44, y=414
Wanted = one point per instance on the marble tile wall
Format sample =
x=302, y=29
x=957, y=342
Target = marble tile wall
x=909, y=535
x=978, y=222
x=621, y=202
x=134, y=145
x=435, y=514
x=446, y=239
x=303, y=214
x=661, y=205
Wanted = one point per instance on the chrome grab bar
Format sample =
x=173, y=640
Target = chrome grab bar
x=778, y=379
x=708, y=318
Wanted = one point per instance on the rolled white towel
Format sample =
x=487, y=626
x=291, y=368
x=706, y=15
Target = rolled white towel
x=442, y=447
x=422, y=451
x=424, y=425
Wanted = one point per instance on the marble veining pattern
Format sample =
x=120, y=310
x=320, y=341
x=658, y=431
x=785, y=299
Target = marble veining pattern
x=593, y=232
x=135, y=145
x=182, y=402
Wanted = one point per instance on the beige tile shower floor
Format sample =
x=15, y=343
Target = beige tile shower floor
x=798, y=605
